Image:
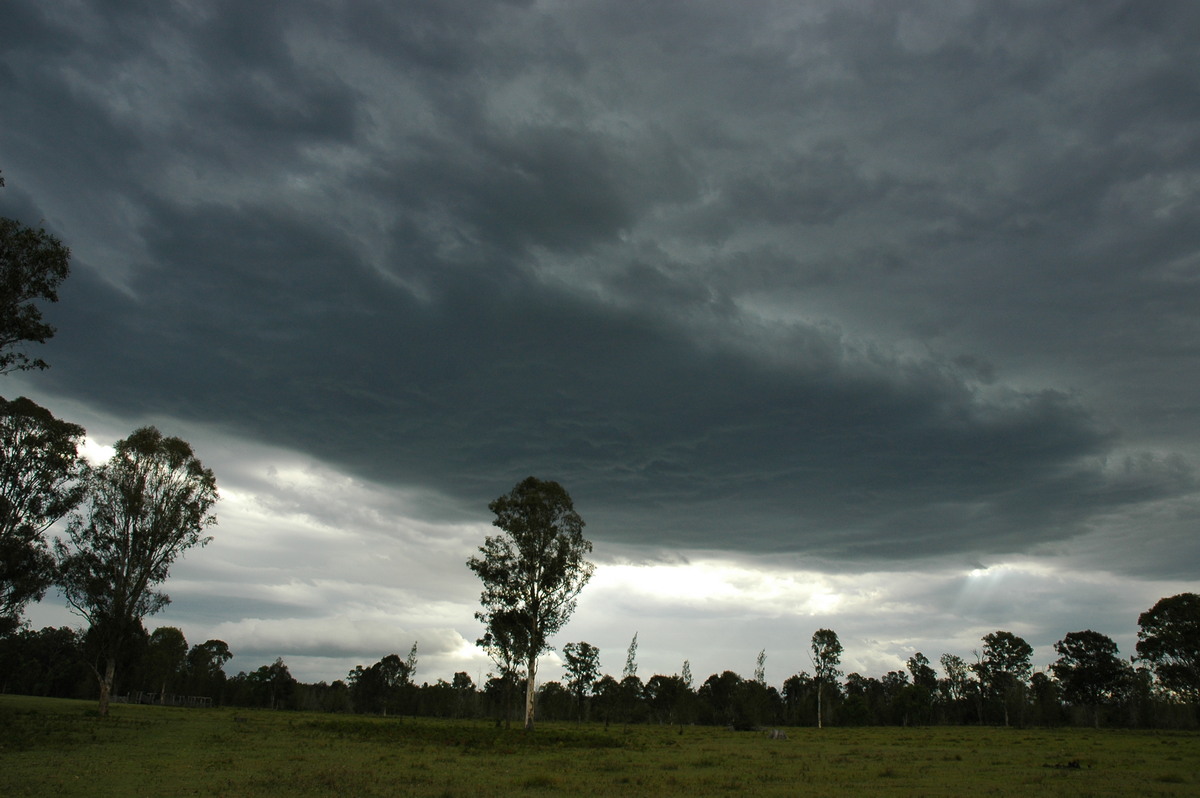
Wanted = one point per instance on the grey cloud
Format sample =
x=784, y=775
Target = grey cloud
x=446, y=247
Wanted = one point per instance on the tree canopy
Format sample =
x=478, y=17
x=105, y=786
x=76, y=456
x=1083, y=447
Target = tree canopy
x=40, y=482
x=1169, y=639
x=32, y=264
x=1089, y=670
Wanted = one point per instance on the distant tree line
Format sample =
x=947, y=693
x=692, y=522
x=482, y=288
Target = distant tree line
x=1090, y=683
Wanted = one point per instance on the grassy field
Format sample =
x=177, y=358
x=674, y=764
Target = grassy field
x=60, y=748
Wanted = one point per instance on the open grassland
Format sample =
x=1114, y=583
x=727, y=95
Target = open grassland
x=58, y=747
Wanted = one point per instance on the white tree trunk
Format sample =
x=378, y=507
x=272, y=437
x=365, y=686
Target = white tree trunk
x=530, y=693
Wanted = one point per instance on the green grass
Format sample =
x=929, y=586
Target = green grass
x=58, y=747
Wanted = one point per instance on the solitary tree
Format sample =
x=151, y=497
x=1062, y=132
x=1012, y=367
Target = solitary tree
x=1169, y=640
x=1089, y=670
x=146, y=506
x=532, y=573
x=40, y=482
x=826, y=656
x=32, y=264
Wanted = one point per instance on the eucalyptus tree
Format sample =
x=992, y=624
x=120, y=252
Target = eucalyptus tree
x=826, y=656
x=582, y=671
x=1004, y=669
x=40, y=482
x=32, y=264
x=1169, y=641
x=1089, y=671
x=144, y=508
x=532, y=573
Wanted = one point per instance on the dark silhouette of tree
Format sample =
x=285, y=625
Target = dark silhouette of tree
x=799, y=699
x=956, y=688
x=273, y=686
x=40, y=482
x=206, y=668
x=719, y=699
x=826, y=656
x=165, y=660
x=1004, y=670
x=582, y=671
x=1169, y=640
x=384, y=686
x=1089, y=671
x=533, y=573
x=1047, y=699
x=144, y=508
x=32, y=265
x=924, y=687
x=464, y=695
x=664, y=698
x=607, y=697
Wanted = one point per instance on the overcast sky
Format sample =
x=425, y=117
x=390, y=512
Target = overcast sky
x=874, y=316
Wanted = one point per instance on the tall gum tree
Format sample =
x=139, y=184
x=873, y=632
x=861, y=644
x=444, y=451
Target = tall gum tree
x=826, y=656
x=145, y=507
x=532, y=573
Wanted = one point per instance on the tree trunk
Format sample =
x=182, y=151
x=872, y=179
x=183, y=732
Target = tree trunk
x=820, y=690
x=530, y=693
x=106, y=683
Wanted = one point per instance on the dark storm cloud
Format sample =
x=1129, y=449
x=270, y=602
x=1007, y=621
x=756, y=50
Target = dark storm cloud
x=859, y=282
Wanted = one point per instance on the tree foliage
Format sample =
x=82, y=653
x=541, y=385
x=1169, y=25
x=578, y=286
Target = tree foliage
x=32, y=265
x=582, y=671
x=40, y=482
x=826, y=656
x=1169, y=640
x=144, y=507
x=532, y=574
x=1004, y=669
x=1088, y=670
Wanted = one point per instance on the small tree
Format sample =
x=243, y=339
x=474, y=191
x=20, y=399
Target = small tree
x=826, y=656
x=40, y=482
x=32, y=264
x=533, y=573
x=582, y=671
x=145, y=507
x=630, y=659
